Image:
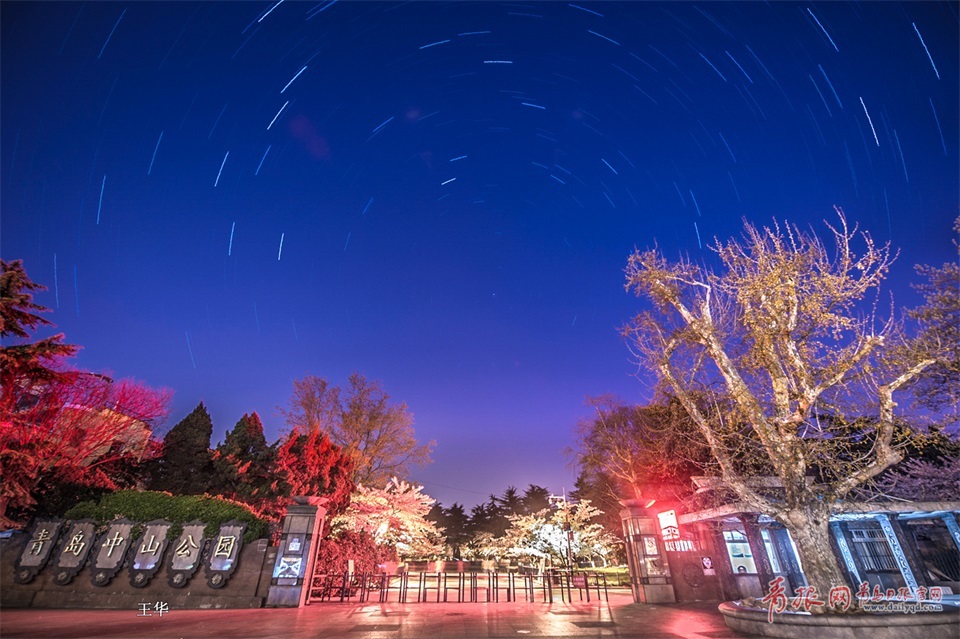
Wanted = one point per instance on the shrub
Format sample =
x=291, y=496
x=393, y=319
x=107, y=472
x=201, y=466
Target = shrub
x=367, y=555
x=144, y=506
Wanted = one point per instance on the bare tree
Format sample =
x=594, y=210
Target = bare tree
x=378, y=435
x=639, y=452
x=781, y=330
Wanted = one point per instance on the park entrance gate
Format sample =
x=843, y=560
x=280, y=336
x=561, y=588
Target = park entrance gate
x=459, y=586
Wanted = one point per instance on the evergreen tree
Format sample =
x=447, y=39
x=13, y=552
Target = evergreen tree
x=535, y=498
x=26, y=368
x=481, y=519
x=244, y=462
x=508, y=504
x=457, y=528
x=185, y=465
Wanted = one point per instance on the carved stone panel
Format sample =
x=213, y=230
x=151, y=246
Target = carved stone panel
x=224, y=553
x=111, y=552
x=77, y=544
x=38, y=550
x=148, y=553
x=184, y=557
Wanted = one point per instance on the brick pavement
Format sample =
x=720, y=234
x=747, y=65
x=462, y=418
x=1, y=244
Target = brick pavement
x=618, y=618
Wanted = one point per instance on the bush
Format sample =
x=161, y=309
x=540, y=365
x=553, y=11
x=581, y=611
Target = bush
x=367, y=555
x=144, y=506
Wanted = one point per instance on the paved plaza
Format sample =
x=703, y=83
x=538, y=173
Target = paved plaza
x=619, y=617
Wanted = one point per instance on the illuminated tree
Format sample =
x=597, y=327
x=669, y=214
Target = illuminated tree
x=780, y=333
x=244, y=462
x=556, y=535
x=308, y=463
x=923, y=480
x=394, y=516
x=59, y=426
x=378, y=435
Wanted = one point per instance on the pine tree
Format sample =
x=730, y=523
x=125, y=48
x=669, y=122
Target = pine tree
x=244, y=462
x=185, y=465
x=25, y=368
x=535, y=498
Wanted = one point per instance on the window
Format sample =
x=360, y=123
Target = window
x=771, y=551
x=741, y=558
x=872, y=549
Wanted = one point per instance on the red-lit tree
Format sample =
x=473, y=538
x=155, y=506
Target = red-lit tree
x=378, y=435
x=308, y=463
x=26, y=366
x=59, y=425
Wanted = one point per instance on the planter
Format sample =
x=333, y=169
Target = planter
x=921, y=625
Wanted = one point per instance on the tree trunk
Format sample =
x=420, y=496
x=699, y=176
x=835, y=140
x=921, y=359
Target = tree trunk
x=810, y=530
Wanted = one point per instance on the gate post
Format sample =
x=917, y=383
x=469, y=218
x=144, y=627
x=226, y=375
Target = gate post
x=649, y=568
x=293, y=570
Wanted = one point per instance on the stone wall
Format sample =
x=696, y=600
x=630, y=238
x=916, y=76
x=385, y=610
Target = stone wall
x=247, y=587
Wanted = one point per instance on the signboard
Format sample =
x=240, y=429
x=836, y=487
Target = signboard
x=707, y=564
x=288, y=567
x=650, y=546
x=185, y=555
x=148, y=553
x=76, y=549
x=225, y=553
x=112, y=551
x=669, y=529
x=37, y=550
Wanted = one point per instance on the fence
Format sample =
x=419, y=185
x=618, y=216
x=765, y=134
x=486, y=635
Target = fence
x=461, y=587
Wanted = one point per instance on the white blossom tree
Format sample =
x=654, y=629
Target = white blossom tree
x=394, y=516
x=545, y=535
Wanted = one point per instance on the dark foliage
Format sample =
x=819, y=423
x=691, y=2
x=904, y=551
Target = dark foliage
x=185, y=464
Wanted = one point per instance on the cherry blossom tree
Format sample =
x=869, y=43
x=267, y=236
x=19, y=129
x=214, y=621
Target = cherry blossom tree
x=394, y=516
x=556, y=535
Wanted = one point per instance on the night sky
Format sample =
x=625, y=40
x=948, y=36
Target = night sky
x=224, y=197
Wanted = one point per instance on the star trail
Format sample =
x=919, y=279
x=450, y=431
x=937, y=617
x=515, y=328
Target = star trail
x=461, y=183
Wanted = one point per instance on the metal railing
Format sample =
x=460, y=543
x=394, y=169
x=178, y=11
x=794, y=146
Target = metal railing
x=460, y=587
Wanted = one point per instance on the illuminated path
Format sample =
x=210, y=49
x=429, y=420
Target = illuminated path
x=618, y=618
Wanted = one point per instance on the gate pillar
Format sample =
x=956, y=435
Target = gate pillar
x=646, y=556
x=300, y=537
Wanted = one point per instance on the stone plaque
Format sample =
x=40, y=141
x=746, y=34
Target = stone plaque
x=184, y=556
x=111, y=551
x=288, y=567
x=148, y=553
x=225, y=553
x=38, y=550
x=77, y=544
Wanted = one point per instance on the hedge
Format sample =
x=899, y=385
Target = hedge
x=144, y=506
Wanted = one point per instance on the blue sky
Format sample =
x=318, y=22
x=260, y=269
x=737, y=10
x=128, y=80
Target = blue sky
x=225, y=197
